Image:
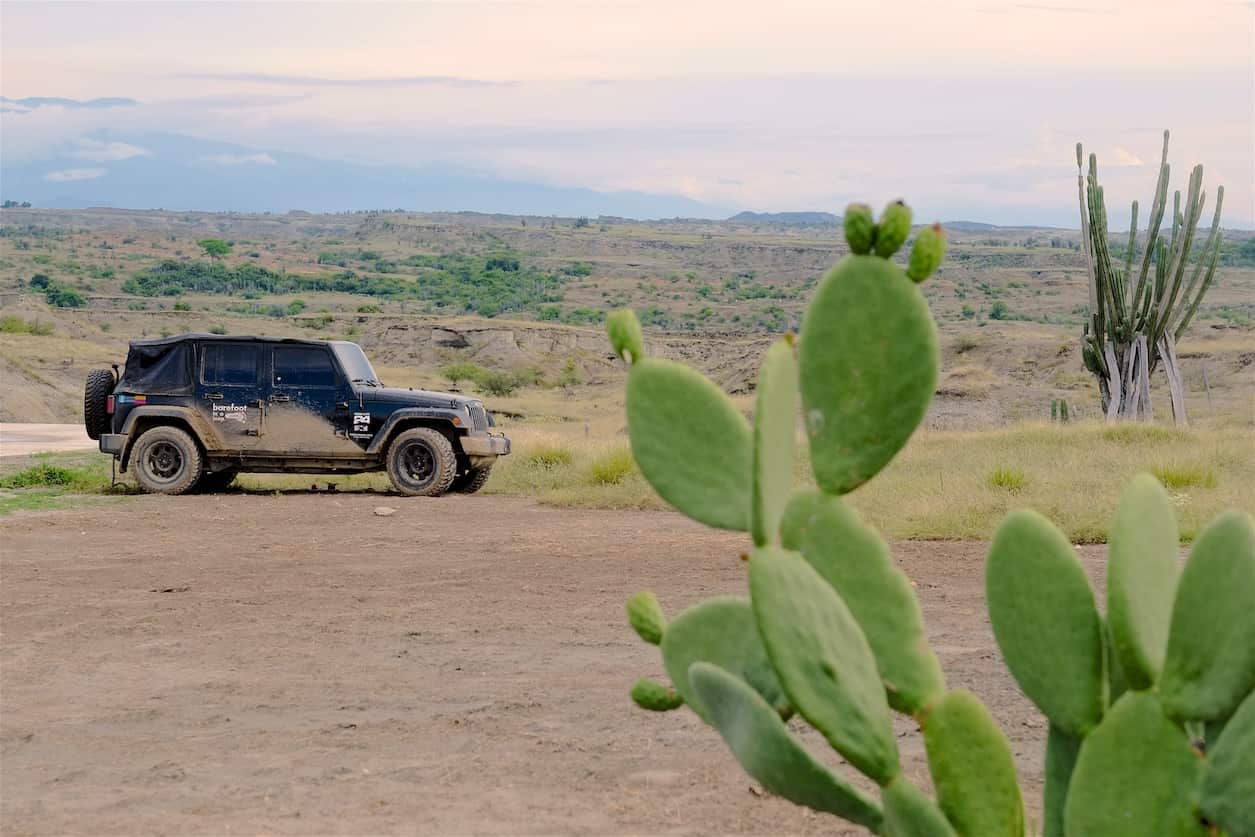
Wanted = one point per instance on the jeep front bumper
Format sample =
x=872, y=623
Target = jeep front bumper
x=485, y=445
x=112, y=443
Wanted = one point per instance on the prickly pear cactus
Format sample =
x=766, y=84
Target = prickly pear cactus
x=1152, y=718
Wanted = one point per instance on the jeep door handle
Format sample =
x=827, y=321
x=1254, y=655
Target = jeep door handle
x=214, y=396
x=277, y=398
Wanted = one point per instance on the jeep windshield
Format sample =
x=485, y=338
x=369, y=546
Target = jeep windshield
x=355, y=365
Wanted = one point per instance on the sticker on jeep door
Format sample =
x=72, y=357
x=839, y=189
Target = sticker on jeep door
x=230, y=412
x=361, y=426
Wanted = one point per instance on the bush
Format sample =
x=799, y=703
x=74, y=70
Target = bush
x=613, y=467
x=63, y=297
x=1008, y=479
x=295, y=307
x=998, y=311
x=455, y=372
x=499, y=384
x=17, y=325
x=217, y=329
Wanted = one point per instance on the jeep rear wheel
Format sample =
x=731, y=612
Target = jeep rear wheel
x=472, y=481
x=421, y=462
x=96, y=402
x=166, y=461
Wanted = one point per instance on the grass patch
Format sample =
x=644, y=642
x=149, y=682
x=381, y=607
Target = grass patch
x=548, y=456
x=10, y=324
x=613, y=466
x=1179, y=476
x=1008, y=479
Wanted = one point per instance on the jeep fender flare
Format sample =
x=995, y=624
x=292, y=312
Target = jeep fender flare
x=201, y=431
x=441, y=417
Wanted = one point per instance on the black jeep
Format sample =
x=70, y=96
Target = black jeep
x=191, y=412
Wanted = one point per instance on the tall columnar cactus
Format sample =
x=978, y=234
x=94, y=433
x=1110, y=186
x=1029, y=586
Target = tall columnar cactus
x=1152, y=719
x=1135, y=318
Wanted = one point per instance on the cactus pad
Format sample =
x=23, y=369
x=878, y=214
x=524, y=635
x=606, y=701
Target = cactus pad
x=1061, y=752
x=646, y=617
x=690, y=442
x=775, y=441
x=823, y=660
x=893, y=229
x=1229, y=787
x=1142, y=579
x=908, y=813
x=972, y=768
x=762, y=744
x=860, y=228
x=1043, y=615
x=719, y=631
x=852, y=558
x=868, y=367
x=1210, y=663
x=625, y=335
x=926, y=253
x=1136, y=775
x=654, y=696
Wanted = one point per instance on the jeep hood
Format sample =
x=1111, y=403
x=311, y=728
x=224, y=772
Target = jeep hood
x=411, y=397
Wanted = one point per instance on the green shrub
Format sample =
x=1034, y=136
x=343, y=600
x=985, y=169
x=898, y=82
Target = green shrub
x=1008, y=479
x=499, y=384
x=548, y=456
x=1179, y=476
x=217, y=329
x=40, y=476
x=10, y=324
x=456, y=372
x=613, y=467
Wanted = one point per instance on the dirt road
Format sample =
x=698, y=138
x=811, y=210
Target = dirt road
x=26, y=439
x=296, y=664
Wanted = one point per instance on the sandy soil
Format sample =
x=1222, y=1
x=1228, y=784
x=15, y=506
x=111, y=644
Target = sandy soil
x=26, y=439
x=296, y=664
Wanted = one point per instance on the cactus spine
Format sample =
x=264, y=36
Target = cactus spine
x=1136, y=320
x=1154, y=702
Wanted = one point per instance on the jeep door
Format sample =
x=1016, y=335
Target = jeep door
x=308, y=402
x=228, y=392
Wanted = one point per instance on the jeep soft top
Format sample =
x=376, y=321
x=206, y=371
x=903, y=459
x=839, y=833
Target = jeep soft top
x=193, y=411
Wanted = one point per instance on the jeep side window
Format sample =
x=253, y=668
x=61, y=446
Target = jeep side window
x=303, y=366
x=230, y=363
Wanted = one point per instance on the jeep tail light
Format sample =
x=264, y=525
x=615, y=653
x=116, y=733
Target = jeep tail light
x=109, y=405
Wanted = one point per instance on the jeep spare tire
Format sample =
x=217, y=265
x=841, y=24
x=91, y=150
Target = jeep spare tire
x=166, y=461
x=421, y=462
x=96, y=402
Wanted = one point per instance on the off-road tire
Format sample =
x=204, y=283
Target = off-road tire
x=166, y=460
x=471, y=481
x=422, y=462
x=96, y=393
x=217, y=481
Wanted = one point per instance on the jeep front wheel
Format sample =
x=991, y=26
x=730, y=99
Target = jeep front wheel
x=166, y=461
x=421, y=462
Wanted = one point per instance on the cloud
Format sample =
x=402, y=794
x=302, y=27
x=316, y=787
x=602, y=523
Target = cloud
x=317, y=81
x=1122, y=158
x=104, y=152
x=260, y=159
x=33, y=102
x=69, y=175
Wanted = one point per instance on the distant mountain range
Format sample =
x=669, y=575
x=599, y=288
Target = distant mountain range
x=802, y=219
x=171, y=171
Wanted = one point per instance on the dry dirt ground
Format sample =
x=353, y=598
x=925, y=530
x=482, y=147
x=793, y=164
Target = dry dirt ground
x=27, y=439
x=295, y=664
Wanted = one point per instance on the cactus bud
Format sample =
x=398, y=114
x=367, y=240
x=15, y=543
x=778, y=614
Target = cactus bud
x=893, y=229
x=654, y=696
x=926, y=253
x=860, y=228
x=646, y=617
x=625, y=335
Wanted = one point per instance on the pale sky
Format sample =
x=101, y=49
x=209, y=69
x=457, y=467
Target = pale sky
x=968, y=109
